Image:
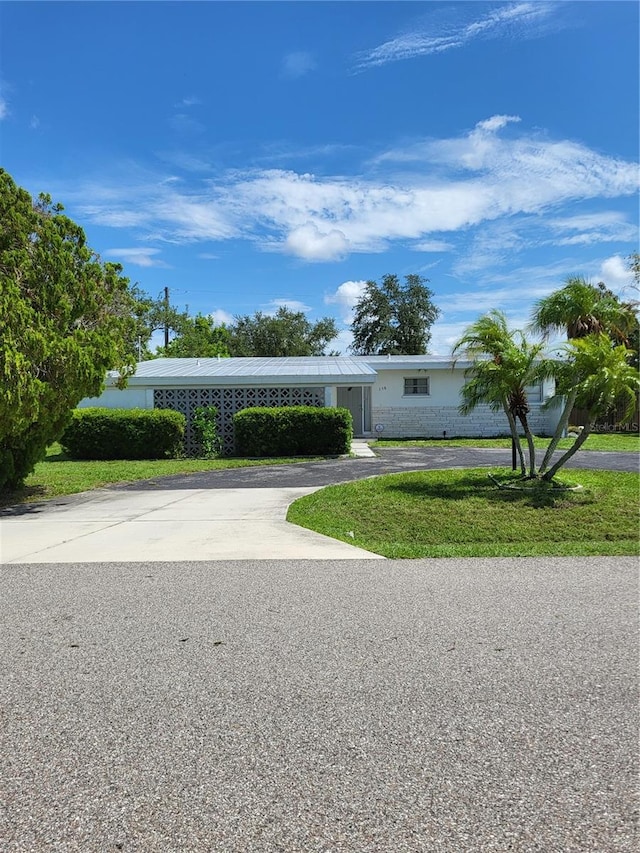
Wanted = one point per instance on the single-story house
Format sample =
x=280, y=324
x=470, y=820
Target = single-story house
x=388, y=396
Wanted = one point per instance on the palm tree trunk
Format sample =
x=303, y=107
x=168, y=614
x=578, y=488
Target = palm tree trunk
x=562, y=425
x=516, y=439
x=531, y=446
x=577, y=444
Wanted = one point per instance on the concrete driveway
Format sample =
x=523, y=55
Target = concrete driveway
x=174, y=524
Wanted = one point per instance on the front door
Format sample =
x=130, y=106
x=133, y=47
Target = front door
x=355, y=400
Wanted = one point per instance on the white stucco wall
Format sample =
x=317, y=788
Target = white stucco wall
x=115, y=398
x=430, y=416
x=445, y=385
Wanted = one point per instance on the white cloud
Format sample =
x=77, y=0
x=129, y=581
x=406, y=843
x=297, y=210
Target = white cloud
x=615, y=273
x=221, y=317
x=345, y=297
x=311, y=244
x=34, y=122
x=189, y=217
x=297, y=64
x=497, y=122
x=432, y=246
x=342, y=342
x=4, y=109
x=189, y=101
x=446, y=186
x=140, y=257
x=445, y=335
x=290, y=304
x=514, y=20
x=601, y=227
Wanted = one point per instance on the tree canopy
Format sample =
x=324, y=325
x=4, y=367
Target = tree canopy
x=287, y=333
x=197, y=337
x=391, y=318
x=504, y=363
x=580, y=308
x=66, y=317
x=151, y=315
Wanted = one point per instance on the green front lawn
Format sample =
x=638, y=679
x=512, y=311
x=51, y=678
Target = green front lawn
x=456, y=513
x=626, y=442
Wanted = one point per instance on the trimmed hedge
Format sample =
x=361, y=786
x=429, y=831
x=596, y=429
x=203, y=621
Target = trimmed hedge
x=124, y=434
x=292, y=431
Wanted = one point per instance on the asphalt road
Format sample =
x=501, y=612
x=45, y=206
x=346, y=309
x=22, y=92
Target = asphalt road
x=320, y=706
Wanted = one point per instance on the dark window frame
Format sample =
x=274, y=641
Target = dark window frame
x=414, y=384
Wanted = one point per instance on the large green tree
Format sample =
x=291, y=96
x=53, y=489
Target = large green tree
x=503, y=364
x=391, y=318
x=286, y=333
x=66, y=319
x=197, y=337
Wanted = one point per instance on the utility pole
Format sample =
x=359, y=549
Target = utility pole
x=166, y=317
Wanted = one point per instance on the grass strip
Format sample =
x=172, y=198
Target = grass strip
x=461, y=513
x=610, y=442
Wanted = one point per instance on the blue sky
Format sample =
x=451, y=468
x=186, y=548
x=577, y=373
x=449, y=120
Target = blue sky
x=249, y=155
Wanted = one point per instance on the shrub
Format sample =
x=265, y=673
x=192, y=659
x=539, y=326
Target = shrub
x=204, y=425
x=124, y=434
x=292, y=431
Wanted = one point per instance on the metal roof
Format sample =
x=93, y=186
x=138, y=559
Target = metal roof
x=413, y=362
x=309, y=369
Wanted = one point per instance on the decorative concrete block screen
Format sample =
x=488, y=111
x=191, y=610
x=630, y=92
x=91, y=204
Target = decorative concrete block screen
x=228, y=401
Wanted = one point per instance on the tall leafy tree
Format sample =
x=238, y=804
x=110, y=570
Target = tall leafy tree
x=504, y=363
x=286, y=333
x=391, y=318
x=198, y=337
x=66, y=319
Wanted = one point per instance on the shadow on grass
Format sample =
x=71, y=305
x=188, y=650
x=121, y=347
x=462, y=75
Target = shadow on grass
x=533, y=494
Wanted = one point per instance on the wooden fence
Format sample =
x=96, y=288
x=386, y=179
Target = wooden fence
x=609, y=424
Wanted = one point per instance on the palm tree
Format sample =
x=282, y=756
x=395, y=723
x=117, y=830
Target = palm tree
x=597, y=377
x=583, y=309
x=504, y=363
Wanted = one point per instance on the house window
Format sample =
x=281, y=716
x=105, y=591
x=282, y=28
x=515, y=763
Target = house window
x=416, y=386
